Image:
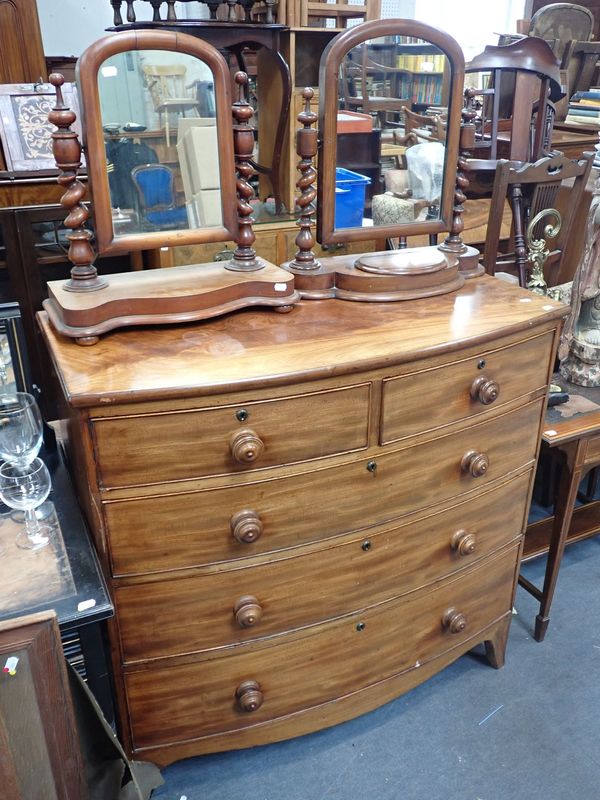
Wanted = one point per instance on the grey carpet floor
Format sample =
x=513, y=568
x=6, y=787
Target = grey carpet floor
x=530, y=730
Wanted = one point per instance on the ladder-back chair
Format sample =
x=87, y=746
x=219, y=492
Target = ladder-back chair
x=532, y=191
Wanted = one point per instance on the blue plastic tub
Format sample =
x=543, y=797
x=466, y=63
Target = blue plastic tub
x=350, y=190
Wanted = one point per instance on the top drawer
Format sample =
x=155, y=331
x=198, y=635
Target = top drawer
x=463, y=389
x=152, y=448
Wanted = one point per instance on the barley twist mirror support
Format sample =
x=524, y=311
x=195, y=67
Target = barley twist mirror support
x=390, y=92
x=160, y=176
x=66, y=149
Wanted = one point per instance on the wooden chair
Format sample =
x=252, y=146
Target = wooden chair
x=166, y=84
x=372, y=87
x=532, y=191
x=424, y=127
x=521, y=82
x=316, y=13
x=563, y=22
x=580, y=60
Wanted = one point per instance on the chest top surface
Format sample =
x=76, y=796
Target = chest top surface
x=317, y=339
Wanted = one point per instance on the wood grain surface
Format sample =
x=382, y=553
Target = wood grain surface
x=316, y=339
x=354, y=652
x=304, y=590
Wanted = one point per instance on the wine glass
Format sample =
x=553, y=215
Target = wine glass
x=25, y=488
x=20, y=428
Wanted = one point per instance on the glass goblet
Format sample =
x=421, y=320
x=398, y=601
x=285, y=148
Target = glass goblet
x=25, y=488
x=20, y=428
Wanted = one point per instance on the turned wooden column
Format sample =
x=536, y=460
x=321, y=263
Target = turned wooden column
x=66, y=149
x=453, y=243
x=306, y=147
x=244, y=257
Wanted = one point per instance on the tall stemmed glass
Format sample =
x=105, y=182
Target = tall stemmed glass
x=20, y=428
x=25, y=488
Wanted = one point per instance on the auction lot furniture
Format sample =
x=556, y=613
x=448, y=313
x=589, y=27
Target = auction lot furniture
x=302, y=516
x=572, y=431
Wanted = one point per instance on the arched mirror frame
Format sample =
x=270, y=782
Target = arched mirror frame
x=88, y=67
x=331, y=61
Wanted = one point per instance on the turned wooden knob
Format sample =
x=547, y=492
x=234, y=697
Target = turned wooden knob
x=484, y=390
x=247, y=611
x=463, y=542
x=246, y=446
x=453, y=621
x=476, y=464
x=249, y=696
x=246, y=526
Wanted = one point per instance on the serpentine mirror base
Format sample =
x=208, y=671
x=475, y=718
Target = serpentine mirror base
x=388, y=276
x=160, y=297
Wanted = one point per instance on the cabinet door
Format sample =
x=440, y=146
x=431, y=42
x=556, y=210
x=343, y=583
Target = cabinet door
x=21, y=50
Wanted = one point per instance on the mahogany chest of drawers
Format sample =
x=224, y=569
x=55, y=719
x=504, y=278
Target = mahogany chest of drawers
x=302, y=516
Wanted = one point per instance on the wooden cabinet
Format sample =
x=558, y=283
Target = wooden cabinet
x=21, y=49
x=302, y=516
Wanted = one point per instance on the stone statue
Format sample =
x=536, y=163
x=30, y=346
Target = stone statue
x=579, y=350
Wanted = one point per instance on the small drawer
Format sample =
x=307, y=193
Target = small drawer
x=264, y=683
x=592, y=455
x=152, y=534
x=463, y=389
x=151, y=448
x=219, y=609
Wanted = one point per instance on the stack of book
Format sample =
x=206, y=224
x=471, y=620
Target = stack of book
x=584, y=107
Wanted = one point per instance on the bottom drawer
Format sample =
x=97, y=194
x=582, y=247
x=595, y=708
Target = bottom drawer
x=198, y=699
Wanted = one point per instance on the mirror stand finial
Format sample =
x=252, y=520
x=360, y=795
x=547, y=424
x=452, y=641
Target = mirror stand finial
x=244, y=258
x=117, y=18
x=453, y=243
x=306, y=148
x=66, y=149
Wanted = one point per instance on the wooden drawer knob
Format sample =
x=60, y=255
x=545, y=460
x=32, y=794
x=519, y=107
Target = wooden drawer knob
x=476, y=464
x=249, y=696
x=247, y=610
x=246, y=526
x=484, y=390
x=453, y=621
x=246, y=446
x=463, y=542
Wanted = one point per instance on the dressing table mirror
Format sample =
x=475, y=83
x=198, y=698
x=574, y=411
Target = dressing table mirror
x=389, y=135
x=159, y=173
x=162, y=153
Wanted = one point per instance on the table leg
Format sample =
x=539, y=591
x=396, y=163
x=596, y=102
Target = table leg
x=565, y=502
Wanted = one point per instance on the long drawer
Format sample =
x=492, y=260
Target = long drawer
x=143, y=449
x=208, y=611
x=198, y=699
x=464, y=388
x=195, y=528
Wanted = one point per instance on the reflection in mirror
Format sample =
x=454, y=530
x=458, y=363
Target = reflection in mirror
x=158, y=117
x=391, y=132
x=14, y=367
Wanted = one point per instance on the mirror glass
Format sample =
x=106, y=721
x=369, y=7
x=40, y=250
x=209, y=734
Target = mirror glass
x=158, y=118
x=391, y=132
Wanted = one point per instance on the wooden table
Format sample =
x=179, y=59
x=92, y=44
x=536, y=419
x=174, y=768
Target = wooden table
x=573, y=432
x=65, y=577
x=573, y=140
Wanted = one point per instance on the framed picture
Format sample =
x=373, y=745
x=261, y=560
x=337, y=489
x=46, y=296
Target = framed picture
x=25, y=131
